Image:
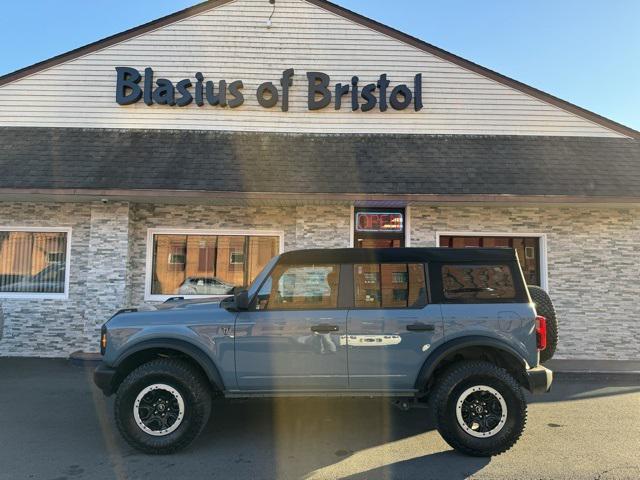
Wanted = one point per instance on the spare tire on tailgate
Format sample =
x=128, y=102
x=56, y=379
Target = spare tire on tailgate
x=544, y=307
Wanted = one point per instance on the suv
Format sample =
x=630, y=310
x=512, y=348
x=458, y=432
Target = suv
x=455, y=328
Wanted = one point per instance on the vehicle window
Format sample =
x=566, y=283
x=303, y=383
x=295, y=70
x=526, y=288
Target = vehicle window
x=389, y=285
x=292, y=287
x=478, y=282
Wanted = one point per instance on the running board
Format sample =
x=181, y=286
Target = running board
x=322, y=393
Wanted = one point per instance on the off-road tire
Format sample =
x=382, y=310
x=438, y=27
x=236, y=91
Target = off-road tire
x=544, y=307
x=191, y=385
x=449, y=387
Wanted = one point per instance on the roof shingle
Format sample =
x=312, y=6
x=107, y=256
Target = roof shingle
x=71, y=158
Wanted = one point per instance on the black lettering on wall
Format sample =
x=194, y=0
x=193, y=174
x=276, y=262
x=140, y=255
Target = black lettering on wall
x=367, y=94
x=398, y=92
x=318, y=83
x=185, y=95
x=341, y=90
x=383, y=83
x=354, y=93
x=130, y=88
x=199, y=89
x=148, y=86
x=165, y=94
x=269, y=100
x=417, y=89
x=127, y=89
x=238, y=97
x=221, y=98
x=286, y=81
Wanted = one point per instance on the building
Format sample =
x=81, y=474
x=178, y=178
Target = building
x=177, y=157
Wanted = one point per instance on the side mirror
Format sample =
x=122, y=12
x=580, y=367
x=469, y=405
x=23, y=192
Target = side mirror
x=241, y=299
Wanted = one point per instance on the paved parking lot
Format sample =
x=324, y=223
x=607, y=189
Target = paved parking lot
x=55, y=425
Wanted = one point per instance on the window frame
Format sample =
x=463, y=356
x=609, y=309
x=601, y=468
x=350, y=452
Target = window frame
x=148, y=276
x=542, y=238
x=67, y=269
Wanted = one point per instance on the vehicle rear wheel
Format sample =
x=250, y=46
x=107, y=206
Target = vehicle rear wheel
x=479, y=407
x=544, y=307
x=162, y=406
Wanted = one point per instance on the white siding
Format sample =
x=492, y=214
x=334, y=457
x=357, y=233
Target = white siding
x=232, y=42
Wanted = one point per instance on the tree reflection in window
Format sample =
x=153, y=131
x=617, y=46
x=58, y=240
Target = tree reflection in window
x=477, y=282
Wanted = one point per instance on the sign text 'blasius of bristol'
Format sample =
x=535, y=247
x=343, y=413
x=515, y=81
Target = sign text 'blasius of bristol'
x=131, y=89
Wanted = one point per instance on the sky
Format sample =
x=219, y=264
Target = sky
x=583, y=51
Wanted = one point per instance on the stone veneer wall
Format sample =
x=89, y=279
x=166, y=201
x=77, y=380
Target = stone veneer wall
x=303, y=227
x=49, y=327
x=593, y=257
x=592, y=262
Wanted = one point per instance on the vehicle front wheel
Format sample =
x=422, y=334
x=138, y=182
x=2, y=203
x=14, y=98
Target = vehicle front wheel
x=480, y=408
x=162, y=406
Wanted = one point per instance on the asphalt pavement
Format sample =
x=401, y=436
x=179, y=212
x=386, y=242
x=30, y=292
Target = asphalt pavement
x=54, y=425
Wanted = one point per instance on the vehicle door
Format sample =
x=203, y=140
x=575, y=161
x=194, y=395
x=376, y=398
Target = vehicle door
x=391, y=325
x=292, y=336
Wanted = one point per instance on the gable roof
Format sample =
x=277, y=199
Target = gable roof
x=352, y=16
x=407, y=167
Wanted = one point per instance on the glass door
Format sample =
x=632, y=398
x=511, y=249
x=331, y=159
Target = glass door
x=379, y=227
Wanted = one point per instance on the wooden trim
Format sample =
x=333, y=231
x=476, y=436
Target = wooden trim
x=171, y=196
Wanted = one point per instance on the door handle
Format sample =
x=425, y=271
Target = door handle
x=324, y=328
x=421, y=327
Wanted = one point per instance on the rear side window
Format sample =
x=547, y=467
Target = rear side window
x=389, y=285
x=468, y=283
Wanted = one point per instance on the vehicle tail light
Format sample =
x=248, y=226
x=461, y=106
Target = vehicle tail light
x=541, y=332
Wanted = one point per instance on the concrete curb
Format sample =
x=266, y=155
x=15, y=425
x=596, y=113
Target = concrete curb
x=85, y=359
x=595, y=367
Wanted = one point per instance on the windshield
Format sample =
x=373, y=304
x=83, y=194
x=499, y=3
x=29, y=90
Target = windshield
x=253, y=288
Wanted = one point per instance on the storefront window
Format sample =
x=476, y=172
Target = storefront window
x=208, y=264
x=528, y=249
x=33, y=262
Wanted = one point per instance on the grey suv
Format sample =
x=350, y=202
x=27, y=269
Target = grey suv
x=453, y=328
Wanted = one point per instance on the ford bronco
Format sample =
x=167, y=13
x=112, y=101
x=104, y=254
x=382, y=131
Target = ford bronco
x=453, y=328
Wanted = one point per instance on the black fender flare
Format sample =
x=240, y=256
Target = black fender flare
x=183, y=346
x=442, y=351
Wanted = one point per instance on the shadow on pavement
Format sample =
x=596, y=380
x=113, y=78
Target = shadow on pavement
x=60, y=423
x=449, y=465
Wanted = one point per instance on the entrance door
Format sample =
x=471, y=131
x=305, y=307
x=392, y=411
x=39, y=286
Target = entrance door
x=378, y=228
x=292, y=338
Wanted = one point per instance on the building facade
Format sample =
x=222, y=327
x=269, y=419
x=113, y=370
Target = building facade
x=178, y=157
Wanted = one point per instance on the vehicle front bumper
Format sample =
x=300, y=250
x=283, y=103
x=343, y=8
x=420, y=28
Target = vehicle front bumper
x=540, y=379
x=103, y=377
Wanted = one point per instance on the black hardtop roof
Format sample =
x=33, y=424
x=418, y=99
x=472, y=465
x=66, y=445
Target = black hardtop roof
x=378, y=255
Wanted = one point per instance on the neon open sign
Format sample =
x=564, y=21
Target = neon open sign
x=379, y=222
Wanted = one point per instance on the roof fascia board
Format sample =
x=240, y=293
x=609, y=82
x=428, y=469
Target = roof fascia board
x=200, y=196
